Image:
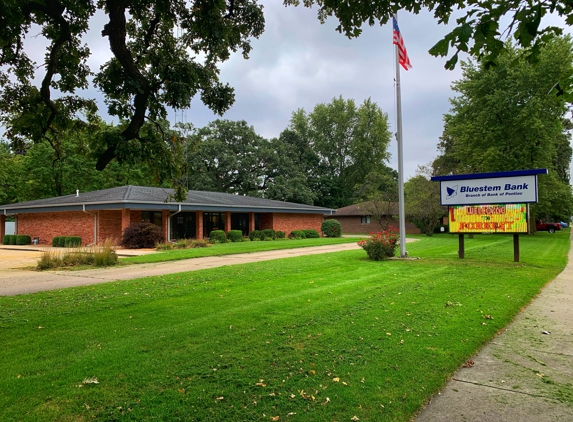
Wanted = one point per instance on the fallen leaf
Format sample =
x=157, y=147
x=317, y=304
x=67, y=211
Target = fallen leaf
x=219, y=398
x=92, y=380
x=274, y=418
x=336, y=379
x=468, y=364
x=355, y=418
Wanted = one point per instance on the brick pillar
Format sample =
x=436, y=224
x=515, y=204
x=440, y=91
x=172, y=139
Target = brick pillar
x=227, y=222
x=199, y=224
x=251, y=222
x=2, y=227
x=164, y=225
x=125, y=219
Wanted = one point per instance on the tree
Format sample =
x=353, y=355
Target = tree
x=350, y=142
x=291, y=170
x=477, y=32
x=227, y=156
x=379, y=193
x=422, y=201
x=164, y=53
x=504, y=119
x=9, y=175
x=41, y=173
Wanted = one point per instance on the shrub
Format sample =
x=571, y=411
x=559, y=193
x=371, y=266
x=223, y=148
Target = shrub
x=217, y=236
x=331, y=228
x=166, y=246
x=49, y=259
x=72, y=241
x=297, y=234
x=23, y=239
x=235, y=235
x=180, y=244
x=9, y=239
x=66, y=241
x=311, y=234
x=142, y=235
x=106, y=255
x=199, y=243
x=58, y=241
x=257, y=235
x=380, y=245
x=99, y=256
x=280, y=235
x=269, y=233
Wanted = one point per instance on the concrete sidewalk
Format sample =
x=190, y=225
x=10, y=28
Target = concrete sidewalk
x=23, y=281
x=525, y=373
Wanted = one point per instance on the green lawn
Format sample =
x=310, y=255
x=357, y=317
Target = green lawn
x=318, y=338
x=222, y=249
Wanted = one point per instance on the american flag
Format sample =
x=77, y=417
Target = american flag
x=397, y=39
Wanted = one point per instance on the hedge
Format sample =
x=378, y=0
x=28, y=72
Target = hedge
x=256, y=234
x=270, y=233
x=311, y=234
x=217, y=236
x=23, y=239
x=9, y=239
x=280, y=234
x=331, y=228
x=235, y=235
x=297, y=234
x=66, y=241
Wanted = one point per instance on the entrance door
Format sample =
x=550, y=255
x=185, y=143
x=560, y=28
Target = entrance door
x=183, y=225
x=240, y=222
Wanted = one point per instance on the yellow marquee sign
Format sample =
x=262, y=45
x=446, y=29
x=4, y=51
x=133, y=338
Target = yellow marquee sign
x=492, y=218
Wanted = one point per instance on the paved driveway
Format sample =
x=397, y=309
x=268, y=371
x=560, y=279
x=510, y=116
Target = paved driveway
x=18, y=258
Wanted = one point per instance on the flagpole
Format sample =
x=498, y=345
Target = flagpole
x=401, y=210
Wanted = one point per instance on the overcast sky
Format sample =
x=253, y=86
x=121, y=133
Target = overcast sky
x=298, y=63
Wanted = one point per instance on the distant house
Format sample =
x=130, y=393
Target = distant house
x=105, y=214
x=357, y=218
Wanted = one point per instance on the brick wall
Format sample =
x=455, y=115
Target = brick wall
x=109, y=226
x=48, y=225
x=289, y=222
x=352, y=224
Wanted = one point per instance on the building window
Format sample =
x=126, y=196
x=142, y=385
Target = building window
x=151, y=217
x=213, y=221
x=365, y=219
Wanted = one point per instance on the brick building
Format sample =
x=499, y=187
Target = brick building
x=104, y=214
x=357, y=218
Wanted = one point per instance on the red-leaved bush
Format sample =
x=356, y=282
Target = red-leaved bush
x=380, y=245
x=141, y=235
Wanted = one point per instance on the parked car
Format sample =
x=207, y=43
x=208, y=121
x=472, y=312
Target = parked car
x=547, y=227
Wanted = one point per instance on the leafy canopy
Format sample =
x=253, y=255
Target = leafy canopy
x=504, y=119
x=165, y=52
x=477, y=32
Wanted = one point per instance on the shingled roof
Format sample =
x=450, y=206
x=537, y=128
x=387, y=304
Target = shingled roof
x=365, y=208
x=139, y=197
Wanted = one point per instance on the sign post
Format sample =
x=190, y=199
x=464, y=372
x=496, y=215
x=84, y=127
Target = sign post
x=489, y=203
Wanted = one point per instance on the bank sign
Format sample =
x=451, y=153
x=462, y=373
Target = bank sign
x=493, y=218
x=515, y=187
